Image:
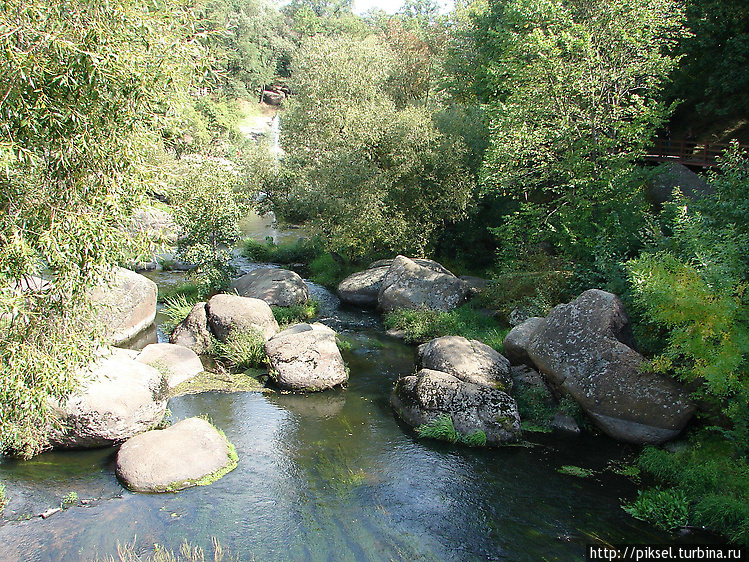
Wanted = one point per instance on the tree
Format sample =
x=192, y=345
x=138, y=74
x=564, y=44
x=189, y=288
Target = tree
x=575, y=101
x=85, y=89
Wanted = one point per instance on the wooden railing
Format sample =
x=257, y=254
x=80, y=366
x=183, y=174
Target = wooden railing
x=687, y=152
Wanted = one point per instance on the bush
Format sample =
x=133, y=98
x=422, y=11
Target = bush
x=243, y=349
x=302, y=250
x=421, y=325
x=330, y=269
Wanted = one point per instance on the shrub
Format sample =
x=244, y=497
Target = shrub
x=242, y=348
x=330, y=269
x=302, y=250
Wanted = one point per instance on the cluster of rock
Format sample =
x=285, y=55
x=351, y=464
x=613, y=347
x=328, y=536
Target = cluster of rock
x=275, y=94
x=585, y=350
x=466, y=380
x=404, y=283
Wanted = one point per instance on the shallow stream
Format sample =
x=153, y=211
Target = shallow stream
x=333, y=476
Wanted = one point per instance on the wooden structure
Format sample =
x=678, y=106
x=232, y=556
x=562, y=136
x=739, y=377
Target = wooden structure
x=687, y=152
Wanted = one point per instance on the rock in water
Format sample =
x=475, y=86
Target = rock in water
x=176, y=362
x=231, y=312
x=585, y=350
x=422, y=398
x=410, y=285
x=189, y=453
x=126, y=305
x=516, y=341
x=305, y=358
x=120, y=397
x=193, y=332
x=277, y=287
x=362, y=288
x=469, y=360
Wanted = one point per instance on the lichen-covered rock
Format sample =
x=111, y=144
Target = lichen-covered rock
x=120, y=397
x=469, y=360
x=275, y=286
x=362, y=288
x=429, y=264
x=422, y=398
x=410, y=285
x=585, y=349
x=189, y=453
x=516, y=341
x=176, y=362
x=193, y=332
x=305, y=358
x=231, y=312
x=126, y=305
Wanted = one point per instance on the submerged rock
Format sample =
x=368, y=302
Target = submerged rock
x=305, y=358
x=120, y=397
x=410, y=285
x=469, y=360
x=426, y=396
x=126, y=305
x=189, y=453
x=585, y=349
x=276, y=286
x=176, y=362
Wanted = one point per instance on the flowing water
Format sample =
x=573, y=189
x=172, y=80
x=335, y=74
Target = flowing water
x=333, y=476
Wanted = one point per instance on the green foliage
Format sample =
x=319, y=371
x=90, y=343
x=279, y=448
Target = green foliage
x=206, y=208
x=442, y=429
x=667, y=509
x=533, y=292
x=176, y=309
x=536, y=406
x=3, y=497
x=69, y=500
x=286, y=315
x=242, y=348
x=578, y=471
x=190, y=291
x=329, y=270
x=712, y=478
x=420, y=325
x=302, y=250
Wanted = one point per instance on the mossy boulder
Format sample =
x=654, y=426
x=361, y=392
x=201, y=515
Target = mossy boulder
x=190, y=453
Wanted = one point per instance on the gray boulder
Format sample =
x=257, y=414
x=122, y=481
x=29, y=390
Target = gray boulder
x=585, y=350
x=231, y=312
x=363, y=288
x=672, y=175
x=516, y=341
x=421, y=398
x=429, y=264
x=410, y=285
x=176, y=362
x=126, y=305
x=469, y=360
x=189, y=453
x=276, y=286
x=193, y=331
x=306, y=357
x=120, y=397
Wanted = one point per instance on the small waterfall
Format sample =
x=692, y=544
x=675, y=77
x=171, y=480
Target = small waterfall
x=275, y=136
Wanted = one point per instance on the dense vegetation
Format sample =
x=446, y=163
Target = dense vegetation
x=503, y=139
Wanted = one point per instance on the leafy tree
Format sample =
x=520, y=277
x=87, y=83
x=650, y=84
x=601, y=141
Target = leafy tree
x=86, y=89
x=575, y=99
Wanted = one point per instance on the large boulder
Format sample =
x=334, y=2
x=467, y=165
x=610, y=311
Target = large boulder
x=189, y=453
x=120, y=397
x=469, y=360
x=193, y=332
x=672, y=175
x=176, y=362
x=585, y=349
x=125, y=305
x=422, y=398
x=410, y=285
x=516, y=341
x=276, y=286
x=231, y=312
x=429, y=264
x=363, y=288
x=306, y=357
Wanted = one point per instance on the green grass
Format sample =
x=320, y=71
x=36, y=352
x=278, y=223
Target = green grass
x=287, y=315
x=176, y=309
x=302, y=250
x=189, y=290
x=186, y=553
x=708, y=477
x=329, y=272
x=242, y=349
x=442, y=429
x=422, y=325
x=578, y=471
x=3, y=497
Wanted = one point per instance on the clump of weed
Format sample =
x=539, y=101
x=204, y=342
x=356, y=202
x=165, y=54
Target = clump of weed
x=443, y=429
x=572, y=470
x=242, y=348
x=69, y=500
x=176, y=310
x=287, y=315
x=667, y=509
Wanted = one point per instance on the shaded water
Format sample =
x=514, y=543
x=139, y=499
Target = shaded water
x=333, y=476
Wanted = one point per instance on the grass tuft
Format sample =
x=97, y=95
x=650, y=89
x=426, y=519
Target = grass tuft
x=443, y=429
x=176, y=310
x=287, y=315
x=242, y=348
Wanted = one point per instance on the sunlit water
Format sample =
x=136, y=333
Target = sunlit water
x=333, y=476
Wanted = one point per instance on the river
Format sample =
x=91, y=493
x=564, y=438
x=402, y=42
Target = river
x=334, y=476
